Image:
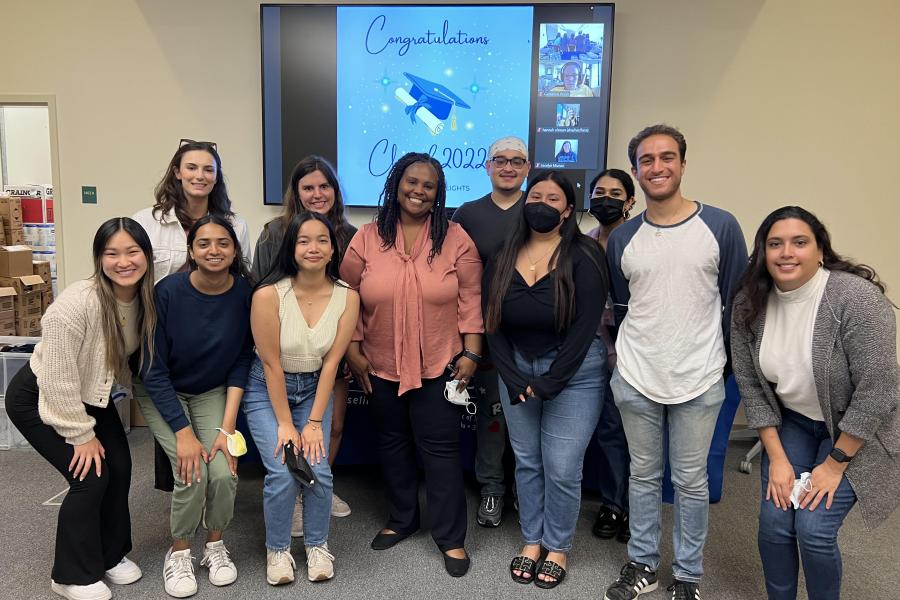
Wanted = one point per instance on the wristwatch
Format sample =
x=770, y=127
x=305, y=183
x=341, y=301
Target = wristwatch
x=839, y=455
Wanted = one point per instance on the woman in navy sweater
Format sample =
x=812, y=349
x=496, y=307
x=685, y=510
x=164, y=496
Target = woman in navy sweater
x=195, y=382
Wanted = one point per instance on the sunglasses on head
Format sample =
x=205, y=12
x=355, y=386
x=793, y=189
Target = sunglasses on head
x=184, y=141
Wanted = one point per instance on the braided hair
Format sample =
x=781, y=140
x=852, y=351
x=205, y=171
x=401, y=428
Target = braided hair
x=389, y=206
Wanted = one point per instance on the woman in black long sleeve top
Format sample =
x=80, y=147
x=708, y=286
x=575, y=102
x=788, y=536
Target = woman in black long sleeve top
x=547, y=292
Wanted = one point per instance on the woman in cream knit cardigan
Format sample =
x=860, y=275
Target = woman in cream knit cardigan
x=60, y=402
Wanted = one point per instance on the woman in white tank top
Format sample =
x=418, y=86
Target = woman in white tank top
x=302, y=318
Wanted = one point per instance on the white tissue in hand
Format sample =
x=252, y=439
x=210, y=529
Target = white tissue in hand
x=804, y=484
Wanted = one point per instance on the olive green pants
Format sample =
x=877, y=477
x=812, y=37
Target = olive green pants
x=210, y=500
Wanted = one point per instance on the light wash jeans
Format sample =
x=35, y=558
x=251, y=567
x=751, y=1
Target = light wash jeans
x=689, y=427
x=807, y=444
x=549, y=439
x=280, y=488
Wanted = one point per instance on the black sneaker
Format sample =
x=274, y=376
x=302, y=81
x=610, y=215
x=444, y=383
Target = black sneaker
x=490, y=511
x=607, y=524
x=684, y=590
x=624, y=533
x=635, y=579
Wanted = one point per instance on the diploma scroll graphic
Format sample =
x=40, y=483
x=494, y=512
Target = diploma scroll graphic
x=435, y=125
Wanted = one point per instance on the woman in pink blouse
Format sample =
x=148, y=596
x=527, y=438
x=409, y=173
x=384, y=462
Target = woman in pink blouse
x=419, y=280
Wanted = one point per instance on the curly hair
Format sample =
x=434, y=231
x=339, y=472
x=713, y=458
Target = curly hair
x=389, y=206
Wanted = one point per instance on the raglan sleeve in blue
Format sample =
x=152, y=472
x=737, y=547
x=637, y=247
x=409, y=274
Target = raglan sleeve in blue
x=618, y=285
x=732, y=264
x=155, y=375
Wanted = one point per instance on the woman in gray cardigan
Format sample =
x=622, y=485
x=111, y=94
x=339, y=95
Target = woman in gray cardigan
x=814, y=352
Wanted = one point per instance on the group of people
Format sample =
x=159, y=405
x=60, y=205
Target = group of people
x=624, y=334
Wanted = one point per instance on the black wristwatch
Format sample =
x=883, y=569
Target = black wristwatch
x=475, y=358
x=839, y=455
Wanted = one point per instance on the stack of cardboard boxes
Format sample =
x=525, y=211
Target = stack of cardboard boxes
x=25, y=285
x=11, y=213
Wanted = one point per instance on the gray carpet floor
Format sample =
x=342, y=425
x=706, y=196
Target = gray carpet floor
x=414, y=568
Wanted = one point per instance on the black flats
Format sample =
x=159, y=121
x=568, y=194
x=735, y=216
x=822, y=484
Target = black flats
x=383, y=541
x=456, y=567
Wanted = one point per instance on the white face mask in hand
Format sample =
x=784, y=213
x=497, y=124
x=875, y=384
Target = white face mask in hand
x=460, y=398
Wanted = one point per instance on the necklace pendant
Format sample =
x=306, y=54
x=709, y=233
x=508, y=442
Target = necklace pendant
x=659, y=233
x=531, y=268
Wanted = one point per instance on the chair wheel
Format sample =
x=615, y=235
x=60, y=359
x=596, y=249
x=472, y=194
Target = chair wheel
x=746, y=467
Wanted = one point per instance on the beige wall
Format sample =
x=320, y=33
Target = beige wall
x=781, y=102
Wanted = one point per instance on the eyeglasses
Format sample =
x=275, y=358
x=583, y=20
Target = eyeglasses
x=185, y=141
x=501, y=161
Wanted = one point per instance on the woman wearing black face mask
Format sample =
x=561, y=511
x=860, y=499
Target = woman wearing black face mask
x=612, y=198
x=541, y=315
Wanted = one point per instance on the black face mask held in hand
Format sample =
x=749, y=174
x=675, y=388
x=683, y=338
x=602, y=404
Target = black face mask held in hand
x=607, y=210
x=541, y=217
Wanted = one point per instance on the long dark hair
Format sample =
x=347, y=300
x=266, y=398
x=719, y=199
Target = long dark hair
x=389, y=207
x=285, y=263
x=238, y=266
x=564, y=284
x=293, y=206
x=146, y=316
x=756, y=282
x=169, y=194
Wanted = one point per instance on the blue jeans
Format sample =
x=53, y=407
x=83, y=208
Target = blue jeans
x=690, y=426
x=612, y=458
x=549, y=439
x=807, y=444
x=280, y=488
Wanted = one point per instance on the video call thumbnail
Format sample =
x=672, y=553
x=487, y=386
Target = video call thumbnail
x=570, y=60
x=568, y=115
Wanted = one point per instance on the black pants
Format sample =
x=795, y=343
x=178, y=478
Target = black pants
x=93, y=532
x=421, y=419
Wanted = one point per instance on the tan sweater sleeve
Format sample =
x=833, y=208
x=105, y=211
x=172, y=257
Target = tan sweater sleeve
x=59, y=402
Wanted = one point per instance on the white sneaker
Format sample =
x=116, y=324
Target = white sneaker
x=280, y=567
x=94, y=591
x=297, y=519
x=178, y=574
x=124, y=573
x=339, y=508
x=319, y=561
x=221, y=568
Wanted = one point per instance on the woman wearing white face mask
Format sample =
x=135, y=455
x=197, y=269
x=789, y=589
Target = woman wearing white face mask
x=541, y=315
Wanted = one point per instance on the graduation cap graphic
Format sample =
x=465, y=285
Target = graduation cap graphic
x=431, y=102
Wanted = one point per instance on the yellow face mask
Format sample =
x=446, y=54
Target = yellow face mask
x=237, y=445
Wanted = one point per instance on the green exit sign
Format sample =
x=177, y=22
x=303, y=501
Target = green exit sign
x=89, y=194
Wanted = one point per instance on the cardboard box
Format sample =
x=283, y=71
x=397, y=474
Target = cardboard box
x=28, y=292
x=14, y=237
x=11, y=208
x=46, y=299
x=137, y=417
x=28, y=326
x=2, y=233
x=7, y=323
x=41, y=268
x=15, y=261
x=7, y=299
